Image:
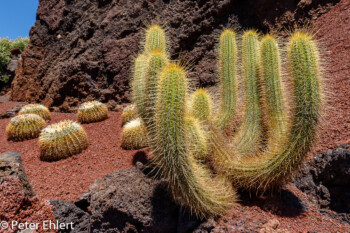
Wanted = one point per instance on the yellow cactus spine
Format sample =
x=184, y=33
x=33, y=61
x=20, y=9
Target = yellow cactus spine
x=134, y=135
x=156, y=62
x=227, y=73
x=201, y=105
x=92, y=111
x=155, y=39
x=273, y=167
x=61, y=140
x=37, y=109
x=248, y=138
x=192, y=183
x=271, y=80
x=25, y=126
x=138, y=84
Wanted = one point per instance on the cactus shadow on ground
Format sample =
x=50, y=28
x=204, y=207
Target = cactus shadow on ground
x=283, y=203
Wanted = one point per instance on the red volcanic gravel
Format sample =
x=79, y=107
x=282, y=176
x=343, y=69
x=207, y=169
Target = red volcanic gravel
x=268, y=214
x=333, y=34
x=69, y=178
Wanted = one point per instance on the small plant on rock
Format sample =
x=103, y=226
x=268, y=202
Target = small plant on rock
x=61, y=140
x=23, y=127
x=205, y=154
x=92, y=111
x=37, y=109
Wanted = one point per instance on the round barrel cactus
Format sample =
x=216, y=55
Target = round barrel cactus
x=61, y=140
x=37, y=109
x=26, y=126
x=92, y=111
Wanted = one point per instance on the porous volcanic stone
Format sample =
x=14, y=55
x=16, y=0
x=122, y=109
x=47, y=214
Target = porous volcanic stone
x=128, y=200
x=327, y=179
x=11, y=165
x=66, y=212
x=82, y=50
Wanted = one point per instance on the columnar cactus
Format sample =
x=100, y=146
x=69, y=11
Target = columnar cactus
x=92, y=111
x=37, y=109
x=192, y=182
x=134, y=135
x=273, y=167
x=61, y=140
x=194, y=151
x=227, y=73
x=25, y=126
x=248, y=137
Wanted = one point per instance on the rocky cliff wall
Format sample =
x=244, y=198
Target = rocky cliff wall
x=83, y=49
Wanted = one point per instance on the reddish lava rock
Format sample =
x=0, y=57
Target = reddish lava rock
x=15, y=206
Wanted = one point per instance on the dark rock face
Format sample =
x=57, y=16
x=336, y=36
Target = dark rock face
x=66, y=212
x=81, y=50
x=11, y=166
x=327, y=179
x=129, y=201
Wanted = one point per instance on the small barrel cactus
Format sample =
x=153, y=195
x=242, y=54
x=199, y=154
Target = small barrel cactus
x=61, y=140
x=129, y=114
x=37, y=109
x=134, y=135
x=92, y=111
x=26, y=126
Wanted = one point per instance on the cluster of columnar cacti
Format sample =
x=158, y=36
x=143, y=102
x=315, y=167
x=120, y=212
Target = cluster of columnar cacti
x=25, y=126
x=61, y=140
x=92, y=111
x=37, y=109
x=190, y=142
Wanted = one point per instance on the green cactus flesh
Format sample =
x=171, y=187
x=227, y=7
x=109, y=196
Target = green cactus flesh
x=272, y=168
x=155, y=39
x=192, y=182
x=201, y=106
x=157, y=60
x=138, y=83
x=248, y=137
x=227, y=72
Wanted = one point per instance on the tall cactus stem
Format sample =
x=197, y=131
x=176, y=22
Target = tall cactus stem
x=248, y=137
x=191, y=182
x=227, y=73
x=156, y=62
x=273, y=168
x=138, y=84
x=274, y=100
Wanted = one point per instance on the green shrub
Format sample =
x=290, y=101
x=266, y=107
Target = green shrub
x=6, y=46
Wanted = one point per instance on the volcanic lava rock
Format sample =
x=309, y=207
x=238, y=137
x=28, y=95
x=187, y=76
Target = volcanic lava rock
x=81, y=50
x=327, y=179
x=127, y=200
x=73, y=217
x=11, y=166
